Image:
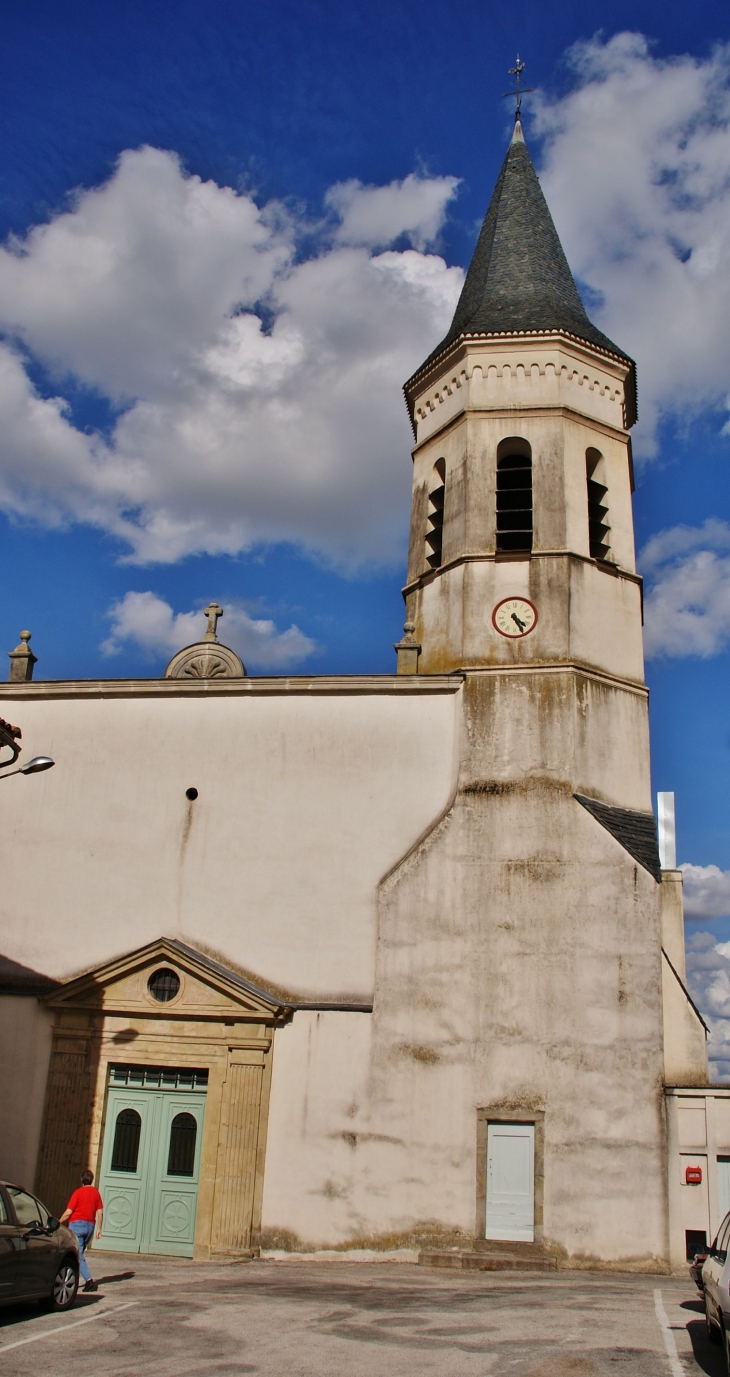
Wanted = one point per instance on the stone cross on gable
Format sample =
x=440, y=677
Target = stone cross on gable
x=212, y=613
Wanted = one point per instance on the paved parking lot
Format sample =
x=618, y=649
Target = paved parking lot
x=313, y=1319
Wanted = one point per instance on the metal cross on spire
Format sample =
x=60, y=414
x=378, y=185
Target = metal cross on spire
x=518, y=90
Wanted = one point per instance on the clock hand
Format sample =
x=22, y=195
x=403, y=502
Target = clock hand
x=516, y=619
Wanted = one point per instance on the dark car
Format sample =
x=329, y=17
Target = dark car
x=39, y=1258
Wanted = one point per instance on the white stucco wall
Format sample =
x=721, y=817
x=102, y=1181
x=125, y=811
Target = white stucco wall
x=318, y=1089
x=307, y=796
x=354, y=1156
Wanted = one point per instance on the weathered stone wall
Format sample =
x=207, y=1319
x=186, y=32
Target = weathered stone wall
x=519, y=962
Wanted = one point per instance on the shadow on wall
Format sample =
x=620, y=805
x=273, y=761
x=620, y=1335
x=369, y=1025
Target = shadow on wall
x=25, y=1039
x=67, y=1121
x=23, y=980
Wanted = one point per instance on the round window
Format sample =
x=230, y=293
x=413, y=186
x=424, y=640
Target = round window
x=164, y=984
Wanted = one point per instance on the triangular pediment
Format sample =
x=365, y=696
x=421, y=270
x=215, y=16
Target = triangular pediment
x=206, y=989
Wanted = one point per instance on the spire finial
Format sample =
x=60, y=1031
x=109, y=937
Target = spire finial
x=518, y=90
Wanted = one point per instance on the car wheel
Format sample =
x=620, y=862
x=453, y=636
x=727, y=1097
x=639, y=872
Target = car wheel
x=65, y=1286
x=713, y=1333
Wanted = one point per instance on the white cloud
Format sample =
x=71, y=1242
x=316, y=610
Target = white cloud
x=637, y=174
x=706, y=891
x=231, y=433
x=708, y=977
x=376, y=215
x=680, y=540
x=150, y=623
x=234, y=432
x=687, y=604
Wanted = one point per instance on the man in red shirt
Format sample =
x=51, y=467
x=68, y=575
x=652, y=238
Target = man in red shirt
x=84, y=1211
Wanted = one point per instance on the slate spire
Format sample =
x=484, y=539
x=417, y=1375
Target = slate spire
x=519, y=281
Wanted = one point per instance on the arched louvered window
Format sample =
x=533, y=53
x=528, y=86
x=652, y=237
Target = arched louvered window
x=599, y=530
x=514, y=495
x=435, y=526
x=126, y=1140
x=181, y=1156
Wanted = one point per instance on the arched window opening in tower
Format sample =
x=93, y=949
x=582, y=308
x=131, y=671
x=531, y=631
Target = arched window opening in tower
x=599, y=530
x=435, y=526
x=514, y=496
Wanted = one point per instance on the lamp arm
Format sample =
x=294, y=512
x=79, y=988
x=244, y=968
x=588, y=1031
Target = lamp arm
x=10, y=737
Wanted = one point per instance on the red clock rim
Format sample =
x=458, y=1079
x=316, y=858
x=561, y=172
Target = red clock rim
x=513, y=597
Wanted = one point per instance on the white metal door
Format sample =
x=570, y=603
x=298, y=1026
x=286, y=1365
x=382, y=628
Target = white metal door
x=511, y=1182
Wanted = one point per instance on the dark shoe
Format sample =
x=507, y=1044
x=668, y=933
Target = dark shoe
x=91, y=1286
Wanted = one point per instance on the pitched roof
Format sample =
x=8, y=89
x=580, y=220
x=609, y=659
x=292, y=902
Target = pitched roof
x=636, y=832
x=519, y=281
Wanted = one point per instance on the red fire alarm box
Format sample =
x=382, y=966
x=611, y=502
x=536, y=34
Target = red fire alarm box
x=693, y=1176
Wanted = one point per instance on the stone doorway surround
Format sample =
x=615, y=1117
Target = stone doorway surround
x=217, y=1020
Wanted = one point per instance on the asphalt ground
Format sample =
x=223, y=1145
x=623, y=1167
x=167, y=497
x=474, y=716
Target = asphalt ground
x=313, y=1319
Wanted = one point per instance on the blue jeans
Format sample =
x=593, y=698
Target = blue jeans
x=84, y=1230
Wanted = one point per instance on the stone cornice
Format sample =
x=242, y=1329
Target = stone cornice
x=490, y=557
x=576, y=667
x=505, y=413
x=334, y=685
x=444, y=363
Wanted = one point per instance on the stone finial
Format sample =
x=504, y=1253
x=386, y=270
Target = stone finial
x=207, y=658
x=408, y=651
x=22, y=661
x=213, y=613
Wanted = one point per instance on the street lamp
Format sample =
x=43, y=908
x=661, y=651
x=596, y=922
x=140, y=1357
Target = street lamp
x=10, y=736
x=34, y=766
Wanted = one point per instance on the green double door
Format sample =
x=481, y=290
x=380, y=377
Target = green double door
x=151, y=1170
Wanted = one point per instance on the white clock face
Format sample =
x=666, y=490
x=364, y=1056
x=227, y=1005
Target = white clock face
x=514, y=617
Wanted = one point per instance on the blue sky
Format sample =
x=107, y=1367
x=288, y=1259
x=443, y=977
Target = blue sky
x=303, y=110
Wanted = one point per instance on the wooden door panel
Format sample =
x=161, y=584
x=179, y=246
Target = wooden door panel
x=175, y=1193
x=123, y=1190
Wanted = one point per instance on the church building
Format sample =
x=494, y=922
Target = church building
x=357, y=960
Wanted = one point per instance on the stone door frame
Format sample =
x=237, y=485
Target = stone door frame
x=218, y=1021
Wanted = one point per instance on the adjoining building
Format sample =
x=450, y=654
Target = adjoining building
x=377, y=958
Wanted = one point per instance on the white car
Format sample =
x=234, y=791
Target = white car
x=716, y=1281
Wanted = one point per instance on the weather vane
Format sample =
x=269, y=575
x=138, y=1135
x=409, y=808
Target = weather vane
x=518, y=90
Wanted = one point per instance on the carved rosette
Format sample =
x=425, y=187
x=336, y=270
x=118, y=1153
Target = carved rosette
x=206, y=660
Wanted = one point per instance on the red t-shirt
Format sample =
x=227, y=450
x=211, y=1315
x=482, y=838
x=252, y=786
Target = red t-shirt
x=84, y=1203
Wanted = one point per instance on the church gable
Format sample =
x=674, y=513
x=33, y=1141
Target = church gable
x=171, y=980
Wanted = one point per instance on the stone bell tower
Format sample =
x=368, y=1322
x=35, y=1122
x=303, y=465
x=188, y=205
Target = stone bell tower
x=520, y=940
x=522, y=466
